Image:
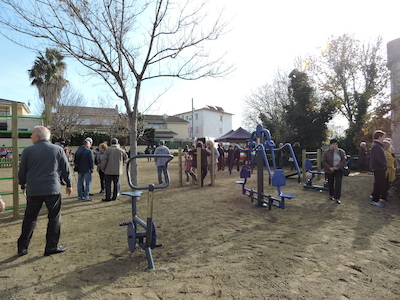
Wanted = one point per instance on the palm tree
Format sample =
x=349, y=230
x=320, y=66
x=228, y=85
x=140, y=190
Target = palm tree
x=47, y=75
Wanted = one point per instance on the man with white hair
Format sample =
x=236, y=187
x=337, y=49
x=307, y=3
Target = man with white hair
x=362, y=157
x=38, y=176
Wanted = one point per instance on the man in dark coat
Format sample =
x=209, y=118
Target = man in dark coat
x=378, y=166
x=38, y=176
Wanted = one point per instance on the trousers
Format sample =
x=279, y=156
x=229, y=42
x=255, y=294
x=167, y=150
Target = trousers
x=335, y=183
x=107, y=182
x=34, y=204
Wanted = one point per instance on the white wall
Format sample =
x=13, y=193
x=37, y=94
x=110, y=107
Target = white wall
x=208, y=123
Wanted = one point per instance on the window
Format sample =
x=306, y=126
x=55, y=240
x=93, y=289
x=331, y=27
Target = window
x=196, y=116
x=197, y=129
x=220, y=118
x=3, y=126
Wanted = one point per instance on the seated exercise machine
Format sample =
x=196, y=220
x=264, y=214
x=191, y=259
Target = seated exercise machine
x=309, y=182
x=146, y=239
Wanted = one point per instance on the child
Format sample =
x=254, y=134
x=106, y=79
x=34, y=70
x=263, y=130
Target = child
x=188, y=167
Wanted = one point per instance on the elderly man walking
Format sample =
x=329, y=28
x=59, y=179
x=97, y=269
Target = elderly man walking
x=112, y=166
x=38, y=176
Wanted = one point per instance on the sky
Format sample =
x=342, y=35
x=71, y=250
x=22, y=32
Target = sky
x=265, y=36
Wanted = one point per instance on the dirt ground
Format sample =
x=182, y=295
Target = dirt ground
x=217, y=244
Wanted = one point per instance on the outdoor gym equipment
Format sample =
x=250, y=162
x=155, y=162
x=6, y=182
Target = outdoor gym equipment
x=147, y=239
x=257, y=155
x=309, y=184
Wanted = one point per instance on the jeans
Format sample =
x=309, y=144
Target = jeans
x=34, y=204
x=160, y=170
x=83, y=190
x=107, y=180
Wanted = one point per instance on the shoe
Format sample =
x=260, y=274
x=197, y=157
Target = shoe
x=22, y=252
x=101, y=192
x=79, y=198
x=379, y=204
x=86, y=200
x=54, y=251
x=113, y=199
x=91, y=194
x=62, y=183
x=332, y=198
x=118, y=194
x=338, y=201
x=371, y=197
x=106, y=200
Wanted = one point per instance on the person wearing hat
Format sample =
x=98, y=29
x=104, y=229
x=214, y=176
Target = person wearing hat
x=112, y=166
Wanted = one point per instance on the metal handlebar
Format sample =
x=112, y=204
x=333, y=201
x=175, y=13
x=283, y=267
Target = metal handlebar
x=128, y=174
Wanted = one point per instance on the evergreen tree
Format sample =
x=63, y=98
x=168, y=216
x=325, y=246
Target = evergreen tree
x=306, y=116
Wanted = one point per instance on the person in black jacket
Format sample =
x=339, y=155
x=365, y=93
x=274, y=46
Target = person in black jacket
x=378, y=166
x=362, y=157
x=84, y=159
x=204, y=163
x=39, y=180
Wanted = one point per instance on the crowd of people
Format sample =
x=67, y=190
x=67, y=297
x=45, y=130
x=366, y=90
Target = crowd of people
x=45, y=167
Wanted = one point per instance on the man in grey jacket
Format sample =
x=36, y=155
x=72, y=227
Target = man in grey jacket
x=161, y=162
x=112, y=166
x=39, y=179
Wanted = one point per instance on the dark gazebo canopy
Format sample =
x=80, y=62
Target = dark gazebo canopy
x=238, y=136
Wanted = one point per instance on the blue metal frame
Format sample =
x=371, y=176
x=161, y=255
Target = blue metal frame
x=260, y=159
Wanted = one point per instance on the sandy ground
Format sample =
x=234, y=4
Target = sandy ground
x=217, y=244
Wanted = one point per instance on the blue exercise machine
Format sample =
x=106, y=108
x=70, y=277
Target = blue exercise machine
x=257, y=155
x=147, y=239
x=309, y=182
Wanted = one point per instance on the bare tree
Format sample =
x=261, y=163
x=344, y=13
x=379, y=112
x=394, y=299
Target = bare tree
x=66, y=113
x=125, y=42
x=266, y=106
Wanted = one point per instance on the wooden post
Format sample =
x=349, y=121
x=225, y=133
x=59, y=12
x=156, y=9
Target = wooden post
x=303, y=166
x=180, y=165
x=198, y=170
x=15, y=158
x=319, y=162
x=212, y=166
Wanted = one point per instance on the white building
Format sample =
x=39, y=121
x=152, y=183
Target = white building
x=209, y=121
